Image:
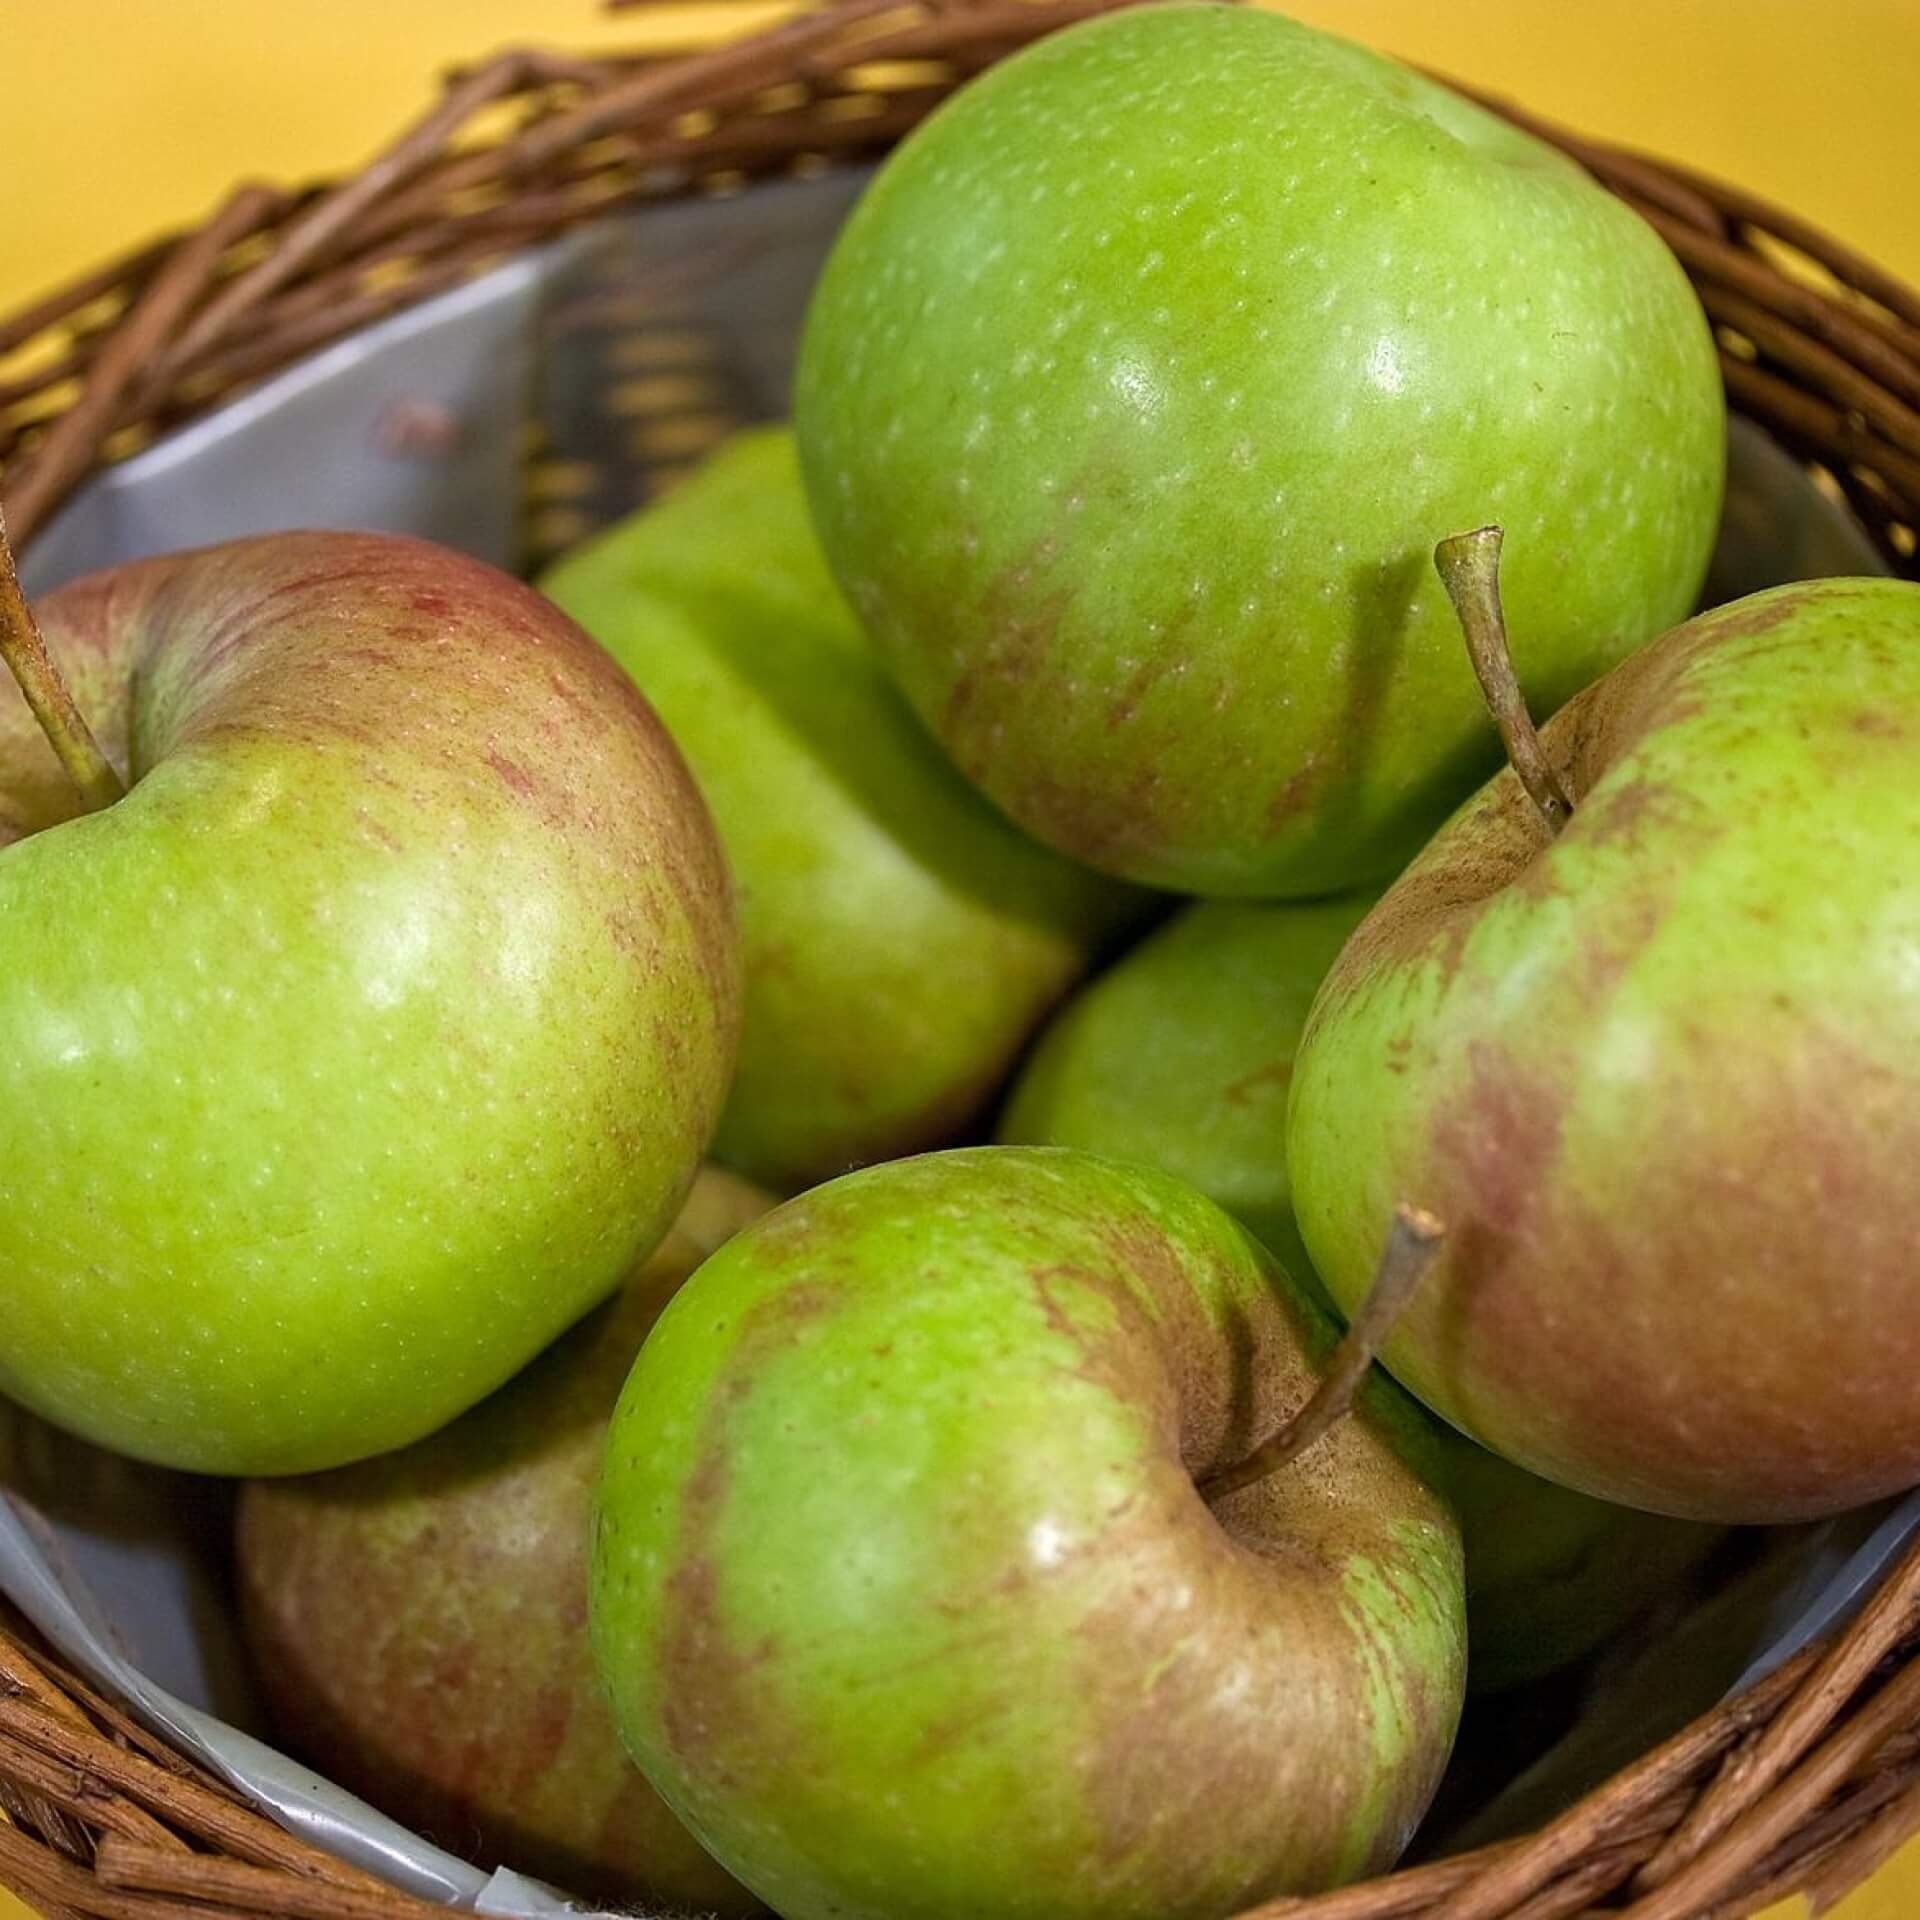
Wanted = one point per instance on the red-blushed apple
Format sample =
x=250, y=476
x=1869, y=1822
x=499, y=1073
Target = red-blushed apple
x=908, y=1595
x=376, y=1031
x=1660, y=1075
x=1139, y=386
x=1180, y=1055
x=899, y=939
x=418, y=1622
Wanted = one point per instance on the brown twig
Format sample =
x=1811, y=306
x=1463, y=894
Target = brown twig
x=1840, y=434
x=1396, y=1896
x=1830, y=373
x=1867, y=1850
x=1716, y=1869
x=126, y=1865
x=67, y=451
x=186, y=1801
x=1892, y=1615
x=1573, y=1894
x=1886, y=351
x=746, y=63
x=1847, y=264
x=50, y=1884
x=22, y=1678
x=74, y=1700
x=608, y=126
x=122, y=275
x=331, y=215
x=1761, y=1891
x=1469, y=569
x=73, y=1792
x=1414, y=1892
x=1832, y=1832
x=50, y=373
x=1543, y=1856
x=1412, y=1241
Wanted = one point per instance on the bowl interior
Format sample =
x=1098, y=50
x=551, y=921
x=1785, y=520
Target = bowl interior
x=510, y=418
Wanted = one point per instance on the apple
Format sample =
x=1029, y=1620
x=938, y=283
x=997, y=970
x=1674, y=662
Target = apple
x=906, y=1598
x=418, y=1622
x=1554, y=1575
x=372, y=1035
x=1180, y=1056
x=900, y=941
x=1659, y=1073
x=1139, y=386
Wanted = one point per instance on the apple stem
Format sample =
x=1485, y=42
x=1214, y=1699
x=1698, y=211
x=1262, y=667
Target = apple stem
x=25, y=652
x=1412, y=1242
x=1469, y=569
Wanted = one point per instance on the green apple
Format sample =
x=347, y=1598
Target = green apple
x=900, y=940
x=907, y=1601
x=1144, y=378
x=1660, y=1076
x=373, y=1035
x=1181, y=1056
x=1181, y=1053
x=1552, y=1574
x=418, y=1622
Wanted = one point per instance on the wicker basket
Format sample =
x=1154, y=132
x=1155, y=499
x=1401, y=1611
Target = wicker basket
x=1808, y=1780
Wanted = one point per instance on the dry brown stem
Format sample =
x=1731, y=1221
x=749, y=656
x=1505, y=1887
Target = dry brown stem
x=1412, y=1241
x=1469, y=568
x=24, y=650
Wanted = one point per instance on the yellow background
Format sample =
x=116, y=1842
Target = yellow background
x=124, y=116
x=127, y=116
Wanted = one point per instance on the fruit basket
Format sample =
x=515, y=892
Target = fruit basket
x=445, y=262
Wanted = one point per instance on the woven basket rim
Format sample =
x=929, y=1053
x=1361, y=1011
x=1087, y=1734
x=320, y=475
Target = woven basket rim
x=1809, y=1779
x=1818, y=344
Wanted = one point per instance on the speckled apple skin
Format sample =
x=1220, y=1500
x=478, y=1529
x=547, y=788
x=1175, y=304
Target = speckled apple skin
x=908, y=1605
x=373, y=1036
x=418, y=1622
x=900, y=940
x=1180, y=1056
x=1141, y=384
x=1660, y=1077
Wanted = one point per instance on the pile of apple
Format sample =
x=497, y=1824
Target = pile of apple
x=1005, y=1529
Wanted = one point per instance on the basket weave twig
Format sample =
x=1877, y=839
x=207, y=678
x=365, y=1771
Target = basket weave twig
x=1806, y=1781
x=1819, y=346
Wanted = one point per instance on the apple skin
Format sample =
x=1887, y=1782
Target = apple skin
x=905, y=1598
x=1143, y=380
x=900, y=940
x=373, y=1036
x=1180, y=1056
x=1554, y=1575
x=1659, y=1078
x=418, y=1622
